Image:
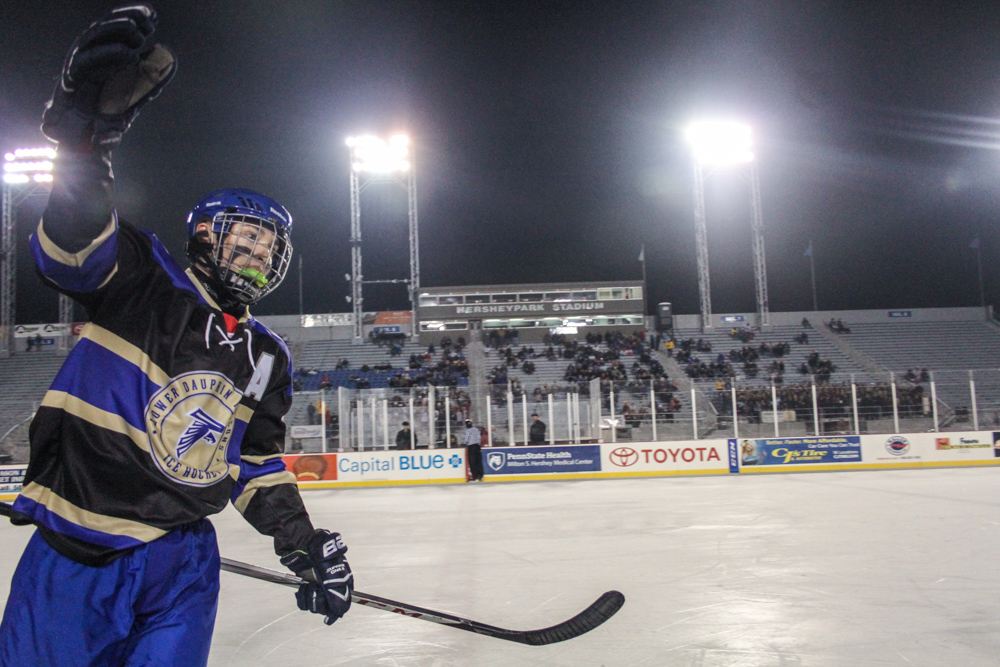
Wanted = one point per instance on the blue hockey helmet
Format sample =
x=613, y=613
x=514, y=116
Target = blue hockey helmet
x=250, y=249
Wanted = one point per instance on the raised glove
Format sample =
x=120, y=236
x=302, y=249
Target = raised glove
x=330, y=593
x=110, y=72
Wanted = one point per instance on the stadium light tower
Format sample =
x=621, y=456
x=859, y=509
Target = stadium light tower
x=723, y=144
x=375, y=160
x=27, y=172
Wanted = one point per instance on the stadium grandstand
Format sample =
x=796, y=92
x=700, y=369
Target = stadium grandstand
x=603, y=373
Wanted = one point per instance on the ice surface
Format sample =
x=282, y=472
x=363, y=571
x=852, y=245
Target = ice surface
x=826, y=569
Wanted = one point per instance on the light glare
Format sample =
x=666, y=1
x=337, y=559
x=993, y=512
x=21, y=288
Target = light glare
x=29, y=167
x=46, y=152
x=15, y=178
x=720, y=142
x=373, y=154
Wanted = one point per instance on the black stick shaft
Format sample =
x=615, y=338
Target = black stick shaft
x=601, y=610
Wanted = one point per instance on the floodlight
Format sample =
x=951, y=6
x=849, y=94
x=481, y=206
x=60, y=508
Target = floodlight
x=21, y=162
x=21, y=153
x=376, y=155
x=29, y=167
x=719, y=142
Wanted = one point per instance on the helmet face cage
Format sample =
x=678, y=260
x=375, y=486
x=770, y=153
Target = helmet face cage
x=251, y=255
x=250, y=249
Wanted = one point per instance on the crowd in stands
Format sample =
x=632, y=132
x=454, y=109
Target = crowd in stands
x=451, y=365
x=448, y=367
x=723, y=367
x=620, y=362
x=914, y=375
x=498, y=338
x=394, y=341
x=874, y=400
x=838, y=326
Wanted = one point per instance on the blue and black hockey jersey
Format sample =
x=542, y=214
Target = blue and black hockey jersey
x=161, y=414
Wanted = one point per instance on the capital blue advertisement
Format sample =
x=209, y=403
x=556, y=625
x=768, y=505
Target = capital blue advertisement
x=524, y=460
x=796, y=451
x=354, y=468
x=11, y=478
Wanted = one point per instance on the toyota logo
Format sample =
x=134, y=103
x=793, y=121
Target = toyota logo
x=624, y=456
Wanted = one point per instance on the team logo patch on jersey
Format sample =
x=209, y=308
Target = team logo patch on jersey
x=189, y=423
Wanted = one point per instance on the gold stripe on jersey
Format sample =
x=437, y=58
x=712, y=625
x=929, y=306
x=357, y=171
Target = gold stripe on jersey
x=81, y=517
x=126, y=351
x=244, y=413
x=274, y=479
x=74, y=258
x=208, y=297
x=201, y=289
x=96, y=416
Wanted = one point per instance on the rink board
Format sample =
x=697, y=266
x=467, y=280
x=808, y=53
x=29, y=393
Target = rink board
x=378, y=468
x=908, y=450
x=630, y=459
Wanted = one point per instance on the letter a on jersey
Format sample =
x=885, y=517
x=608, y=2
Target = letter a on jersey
x=261, y=374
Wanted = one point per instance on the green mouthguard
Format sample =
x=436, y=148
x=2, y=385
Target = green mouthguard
x=253, y=274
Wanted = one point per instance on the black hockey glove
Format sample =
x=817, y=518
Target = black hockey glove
x=324, y=560
x=111, y=71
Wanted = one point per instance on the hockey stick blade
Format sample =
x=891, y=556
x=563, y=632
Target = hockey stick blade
x=597, y=613
x=601, y=610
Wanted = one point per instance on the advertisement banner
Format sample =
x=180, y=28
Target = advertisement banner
x=32, y=330
x=528, y=460
x=665, y=456
x=312, y=467
x=384, y=317
x=302, y=432
x=11, y=477
x=767, y=416
x=961, y=446
x=798, y=451
x=347, y=468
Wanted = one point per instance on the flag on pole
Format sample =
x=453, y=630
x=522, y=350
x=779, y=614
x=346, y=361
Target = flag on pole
x=975, y=243
x=809, y=250
x=642, y=253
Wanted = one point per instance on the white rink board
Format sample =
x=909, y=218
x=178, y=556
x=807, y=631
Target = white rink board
x=682, y=456
x=421, y=466
x=906, y=450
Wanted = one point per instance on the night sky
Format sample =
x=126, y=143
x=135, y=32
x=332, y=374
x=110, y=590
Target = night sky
x=548, y=139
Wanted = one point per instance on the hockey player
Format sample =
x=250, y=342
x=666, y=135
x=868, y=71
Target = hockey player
x=169, y=406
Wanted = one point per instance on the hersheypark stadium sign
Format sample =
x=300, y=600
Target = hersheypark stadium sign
x=488, y=310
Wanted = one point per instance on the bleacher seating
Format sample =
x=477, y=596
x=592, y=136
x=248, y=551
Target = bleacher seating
x=722, y=342
x=24, y=379
x=549, y=377
x=948, y=348
x=319, y=359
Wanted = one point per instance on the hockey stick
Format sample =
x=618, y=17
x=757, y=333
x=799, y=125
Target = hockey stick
x=601, y=610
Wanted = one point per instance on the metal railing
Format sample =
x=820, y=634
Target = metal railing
x=650, y=411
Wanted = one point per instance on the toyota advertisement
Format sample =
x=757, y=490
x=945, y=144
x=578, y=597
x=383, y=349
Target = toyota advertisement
x=685, y=456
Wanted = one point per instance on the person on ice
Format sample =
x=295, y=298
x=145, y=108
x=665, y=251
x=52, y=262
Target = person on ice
x=169, y=407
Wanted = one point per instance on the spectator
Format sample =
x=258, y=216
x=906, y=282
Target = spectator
x=536, y=433
x=405, y=438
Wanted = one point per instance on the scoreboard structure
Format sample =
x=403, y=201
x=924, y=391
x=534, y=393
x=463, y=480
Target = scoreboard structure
x=533, y=310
